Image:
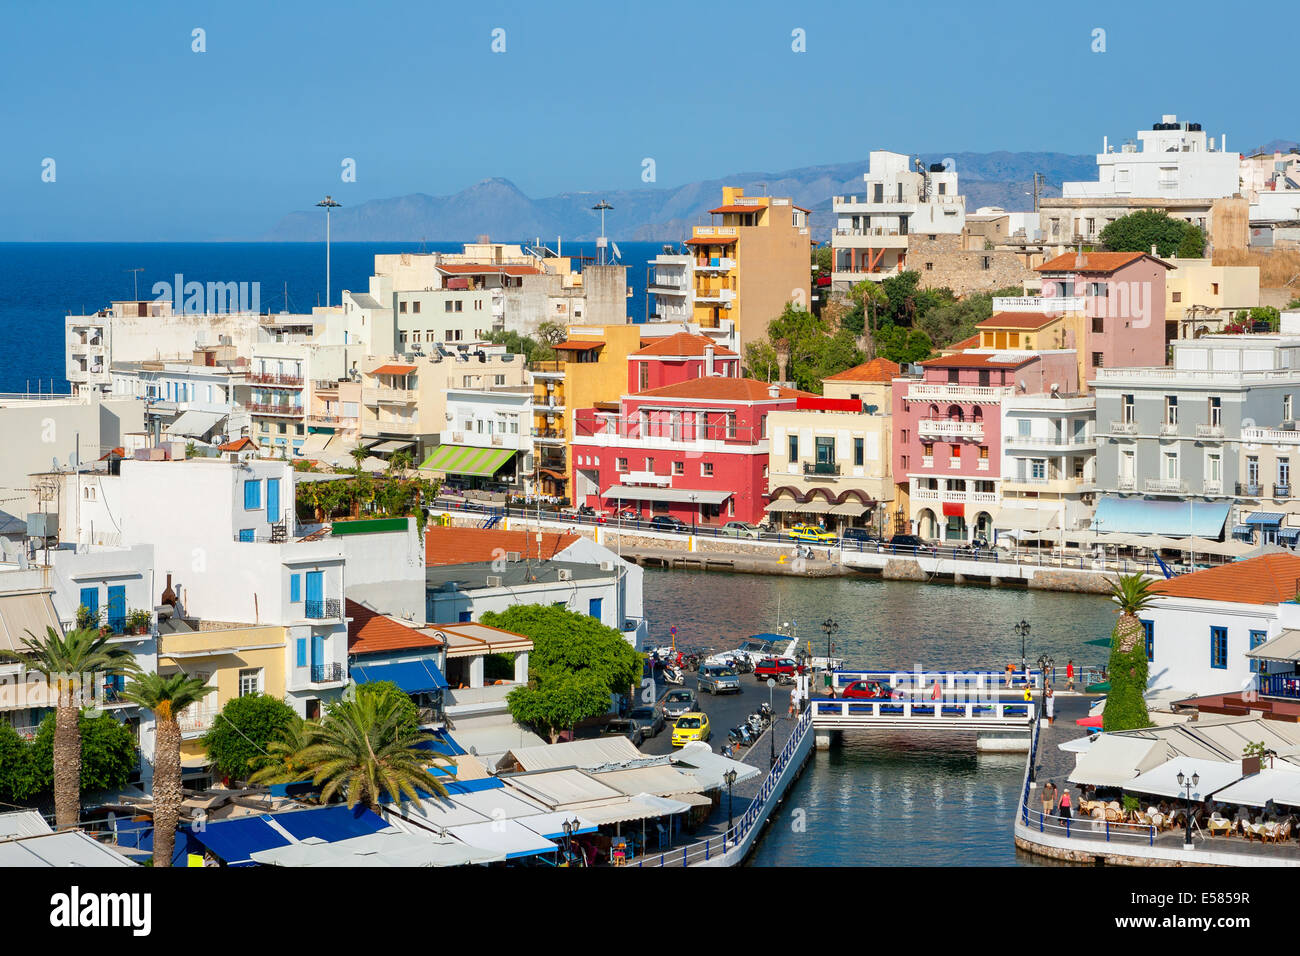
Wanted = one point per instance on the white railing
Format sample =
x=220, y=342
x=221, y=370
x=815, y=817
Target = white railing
x=1168, y=428
x=1061, y=441
x=1123, y=428
x=723, y=264
x=1126, y=483
x=1282, y=436
x=946, y=427
x=1214, y=487
x=1209, y=431
x=194, y=718
x=715, y=231
x=1161, y=374
x=971, y=497
x=830, y=713
x=922, y=391
x=1047, y=304
x=1165, y=485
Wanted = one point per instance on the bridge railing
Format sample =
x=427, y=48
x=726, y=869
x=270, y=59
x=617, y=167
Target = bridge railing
x=1018, y=712
x=948, y=680
x=752, y=816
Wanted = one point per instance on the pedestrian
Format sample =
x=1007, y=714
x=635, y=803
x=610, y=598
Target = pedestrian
x=1049, y=703
x=794, y=700
x=1069, y=676
x=1065, y=803
x=936, y=692
x=1048, y=797
x=1029, y=694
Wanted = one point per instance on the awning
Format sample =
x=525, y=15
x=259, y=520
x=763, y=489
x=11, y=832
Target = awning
x=1284, y=647
x=467, y=460
x=1163, y=780
x=21, y=612
x=392, y=846
x=503, y=836
x=1242, y=531
x=692, y=799
x=596, y=752
x=815, y=507
x=392, y=445
x=853, y=509
x=316, y=442
x=235, y=841
x=392, y=369
x=1288, y=534
x=635, y=493
x=625, y=809
x=578, y=346
x=1265, y=517
x=708, y=767
x=662, y=780
x=500, y=803
x=1142, y=516
x=1115, y=760
x=413, y=677
x=782, y=505
x=1276, y=783
x=69, y=848
x=954, y=509
x=439, y=813
x=551, y=825
x=195, y=424
x=1028, y=519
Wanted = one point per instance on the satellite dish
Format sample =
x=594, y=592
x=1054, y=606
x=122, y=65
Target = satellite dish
x=1023, y=387
x=614, y=245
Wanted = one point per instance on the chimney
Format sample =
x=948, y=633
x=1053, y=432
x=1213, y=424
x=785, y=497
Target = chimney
x=168, y=595
x=708, y=360
x=774, y=391
x=1153, y=250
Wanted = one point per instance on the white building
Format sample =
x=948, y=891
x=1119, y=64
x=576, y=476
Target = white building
x=1049, y=464
x=500, y=417
x=672, y=290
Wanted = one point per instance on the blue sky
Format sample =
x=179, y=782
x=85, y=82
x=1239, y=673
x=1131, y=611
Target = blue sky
x=153, y=141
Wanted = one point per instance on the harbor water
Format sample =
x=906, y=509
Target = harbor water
x=878, y=798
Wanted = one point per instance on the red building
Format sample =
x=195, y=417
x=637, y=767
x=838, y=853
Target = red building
x=696, y=449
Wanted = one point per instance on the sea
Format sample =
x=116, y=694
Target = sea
x=42, y=283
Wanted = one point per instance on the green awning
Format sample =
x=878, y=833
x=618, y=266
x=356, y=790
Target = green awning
x=1102, y=687
x=1099, y=642
x=467, y=460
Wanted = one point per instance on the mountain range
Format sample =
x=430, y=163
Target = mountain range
x=498, y=208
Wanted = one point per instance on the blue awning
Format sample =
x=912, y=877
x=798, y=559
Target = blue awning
x=475, y=786
x=234, y=841
x=1203, y=519
x=1265, y=517
x=1288, y=534
x=332, y=823
x=1243, y=531
x=444, y=743
x=414, y=677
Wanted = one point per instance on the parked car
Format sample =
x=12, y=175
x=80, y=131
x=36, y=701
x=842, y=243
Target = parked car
x=668, y=523
x=812, y=533
x=624, y=727
x=649, y=720
x=774, y=667
x=740, y=529
x=718, y=679
x=860, y=534
x=692, y=726
x=865, y=690
x=628, y=514
x=678, y=702
x=908, y=542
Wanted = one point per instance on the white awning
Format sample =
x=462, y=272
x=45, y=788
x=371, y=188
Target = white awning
x=815, y=507
x=1028, y=519
x=782, y=505
x=1279, y=783
x=194, y=424
x=698, y=759
x=551, y=825
x=392, y=445
x=693, y=799
x=390, y=847
x=1115, y=760
x=316, y=442
x=68, y=848
x=1284, y=647
x=561, y=789
x=699, y=496
x=1163, y=780
x=500, y=803
x=624, y=809
x=21, y=612
x=662, y=780
x=575, y=753
x=851, y=508
x=509, y=837
x=440, y=813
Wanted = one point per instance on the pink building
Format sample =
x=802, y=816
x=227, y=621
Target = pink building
x=679, y=358
x=696, y=449
x=948, y=434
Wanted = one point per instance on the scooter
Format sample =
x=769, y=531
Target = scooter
x=742, y=736
x=755, y=724
x=765, y=711
x=672, y=675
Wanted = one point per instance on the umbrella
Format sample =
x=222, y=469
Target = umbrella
x=1100, y=688
x=1089, y=721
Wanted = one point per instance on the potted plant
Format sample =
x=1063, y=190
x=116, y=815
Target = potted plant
x=88, y=619
x=139, y=621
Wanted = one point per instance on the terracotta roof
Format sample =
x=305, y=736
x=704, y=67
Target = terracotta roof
x=1095, y=262
x=976, y=360
x=393, y=370
x=743, y=207
x=683, y=343
x=971, y=343
x=487, y=268
x=720, y=388
x=579, y=345
x=370, y=632
x=239, y=444
x=119, y=452
x=446, y=546
x=877, y=370
x=1017, y=320
x=1268, y=579
x=711, y=240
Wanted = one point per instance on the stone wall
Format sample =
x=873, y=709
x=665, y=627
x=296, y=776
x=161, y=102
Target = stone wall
x=1109, y=859
x=942, y=262
x=1083, y=582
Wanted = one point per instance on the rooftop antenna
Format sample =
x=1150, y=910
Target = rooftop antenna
x=602, y=242
x=136, y=277
x=327, y=204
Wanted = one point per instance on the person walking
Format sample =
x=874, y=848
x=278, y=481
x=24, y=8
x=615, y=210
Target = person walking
x=1065, y=803
x=1069, y=675
x=1049, y=705
x=794, y=700
x=1048, y=798
x=936, y=692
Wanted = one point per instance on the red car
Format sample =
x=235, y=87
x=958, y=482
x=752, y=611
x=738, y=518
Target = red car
x=775, y=667
x=865, y=690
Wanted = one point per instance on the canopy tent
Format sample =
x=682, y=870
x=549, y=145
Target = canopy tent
x=467, y=460
x=1162, y=780
x=699, y=496
x=194, y=423
x=389, y=847
x=1114, y=760
x=1284, y=647
x=1147, y=516
x=1025, y=519
x=1279, y=783
x=508, y=837
x=698, y=759
x=413, y=677
x=1078, y=745
x=692, y=799
x=661, y=780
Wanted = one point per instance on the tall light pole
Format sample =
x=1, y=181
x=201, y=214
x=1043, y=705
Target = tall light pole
x=136, y=276
x=1188, y=785
x=830, y=626
x=327, y=204
x=730, y=777
x=602, y=206
x=771, y=731
x=1023, y=630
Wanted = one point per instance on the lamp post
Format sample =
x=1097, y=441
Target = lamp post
x=1188, y=784
x=693, y=510
x=568, y=839
x=327, y=204
x=771, y=731
x=830, y=626
x=730, y=777
x=1023, y=630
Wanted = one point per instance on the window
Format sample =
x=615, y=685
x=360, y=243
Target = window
x=1038, y=469
x=706, y=469
x=295, y=588
x=1214, y=468
x=1286, y=408
x=986, y=262
x=1177, y=297
x=90, y=600
x=650, y=465
x=1126, y=408
x=679, y=468
x=1257, y=638
x=253, y=492
x=825, y=450
x=250, y=681
x=593, y=608
x=415, y=307
x=644, y=376
x=1171, y=409
x=620, y=464
x=1252, y=470
x=1219, y=648
x=1098, y=325
x=1024, y=427
x=1149, y=628
x=401, y=308
x=446, y=306
x=1216, y=411
x=301, y=657
x=1097, y=360
x=927, y=449
x=731, y=424
x=1284, y=472
x=246, y=534
x=1214, y=288
x=859, y=451
x=929, y=267
x=1170, y=469
x=984, y=452
x=460, y=307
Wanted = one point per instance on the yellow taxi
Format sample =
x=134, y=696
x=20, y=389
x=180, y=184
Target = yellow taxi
x=691, y=726
x=811, y=532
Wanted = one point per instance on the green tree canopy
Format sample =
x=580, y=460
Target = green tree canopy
x=16, y=773
x=107, y=755
x=1192, y=245
x=531, y=349
x=389, y=695
x=238, y=739
x=1138, y=231
x=903, y=345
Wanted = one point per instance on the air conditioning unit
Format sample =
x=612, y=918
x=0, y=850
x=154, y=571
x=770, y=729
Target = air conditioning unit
x=607, y=565
x=493, y=581
x=513, y=556
x=566, y=574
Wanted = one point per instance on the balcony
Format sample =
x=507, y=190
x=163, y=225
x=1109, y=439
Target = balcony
x=1213, y=488
x=324, y=421
x=1123, y=428
x=1280, y=685
x=942, y=391
x=283, y=381
x=825, y=469
x=1165, y=486
x=1214, y=432
x=1126, y=483
x=954, y=461
x=725, y=296
x=1047, y=304
x=322, y=610
x=548, y=436
x=1168, y=429
x=274, y=408
x=1281, y=436
x=1249, y=489
x=927, y=461
x=327, y=673
x=950, y=428
x=389, y=396
x=722, y=264
x=1282, y=490
x=196, y=719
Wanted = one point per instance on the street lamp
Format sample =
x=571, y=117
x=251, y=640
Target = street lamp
x=830, y=626
x=693, y=510
x=771, y=731
x=730, y=777
x=327, y=204
x=1023, y=630
x=1188, y=785
x=568, y=839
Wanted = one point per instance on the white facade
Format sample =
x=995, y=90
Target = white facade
x=1177, y=162
x=1049, y=459
x=672, y=291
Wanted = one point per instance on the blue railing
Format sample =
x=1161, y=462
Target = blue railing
x=1280, y=685
x=321, y=610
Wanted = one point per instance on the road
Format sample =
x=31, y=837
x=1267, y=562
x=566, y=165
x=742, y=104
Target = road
x=725, y=710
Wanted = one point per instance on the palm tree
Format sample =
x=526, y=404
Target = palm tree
x=359, y=455
x=166, y=696
x=65, y=660
x=400, y=462
x=285, y=752
x=1132, y=595
x=1126, y=707
x=364, y=749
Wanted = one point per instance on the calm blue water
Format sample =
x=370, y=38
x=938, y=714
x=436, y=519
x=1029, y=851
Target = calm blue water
x=877, y=799
x=41, y=283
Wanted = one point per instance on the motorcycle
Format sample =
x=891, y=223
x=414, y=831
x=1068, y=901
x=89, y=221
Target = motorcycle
x=741, y=736
x=756, y=724
x=765, y=711
x=673, y=675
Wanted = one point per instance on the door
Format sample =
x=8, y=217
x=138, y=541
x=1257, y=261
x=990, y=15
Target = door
x=117, y=608
x=317, y=654
x=90, y=601
x=315, y=594
x=593, y=607
x=272, y=500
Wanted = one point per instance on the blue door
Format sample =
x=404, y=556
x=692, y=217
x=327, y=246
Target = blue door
x=593, y=608
x=315, y=594
x=117, y=608
x=318, y=668
x=90, y=600
x=272, y=500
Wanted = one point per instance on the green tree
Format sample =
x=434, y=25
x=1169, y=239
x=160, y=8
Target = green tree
x=1192, y=245
x=362, y=750
x=166, y=696
x=388, y=695
x=551, y=333
x=575, y=665
x=284, y=762
x=1268, y=314
x=16, y=771
x=762, y=362
x=903, y=345
x=1126, y=707
x=1138, y=231
x=532, y=350
x=238, y=739
x=358, y=455
x=107, y=755
x=63, y=659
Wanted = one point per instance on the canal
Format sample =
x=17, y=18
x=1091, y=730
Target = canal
x=875, y=799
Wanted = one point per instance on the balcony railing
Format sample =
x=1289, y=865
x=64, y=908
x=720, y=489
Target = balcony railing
x=1126, y=483
x=954, y=461
x=325, y=610
x=1168, y=428
x=829, y=468
x=918, y=391
x=1209, y=431
x=195, y=718
x=1047, y=304
x=326, y=673
x=1248, y=489
x=1165, y=485
x=265, y=378
x=1280, y=685
x=274, y=408
x=1123, y=428
x=1281, y=490
x=1214, y=487
x=949, y=428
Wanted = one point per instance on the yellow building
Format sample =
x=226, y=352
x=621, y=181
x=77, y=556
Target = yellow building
x=236, y=659
x=1201, y=298
x=751, y=262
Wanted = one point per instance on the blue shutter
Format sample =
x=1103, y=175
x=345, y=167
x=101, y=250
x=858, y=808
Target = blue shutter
x=246, y=534
x=315, y=594
x=295, y=588
x=117, y=608
x=1257, y=638
x=593, y=608
x=273, y=500
x=1149, y=627
x=252, y=494
x=90, y=600
x=302, y=652
x=463, y=617
x=1218, y=648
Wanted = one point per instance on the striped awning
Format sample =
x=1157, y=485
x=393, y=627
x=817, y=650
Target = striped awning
x=1288, y=534
x=1265, y=517
x=851, y=508
x=782, y=504
x=467, y=460
x=1242, y=531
